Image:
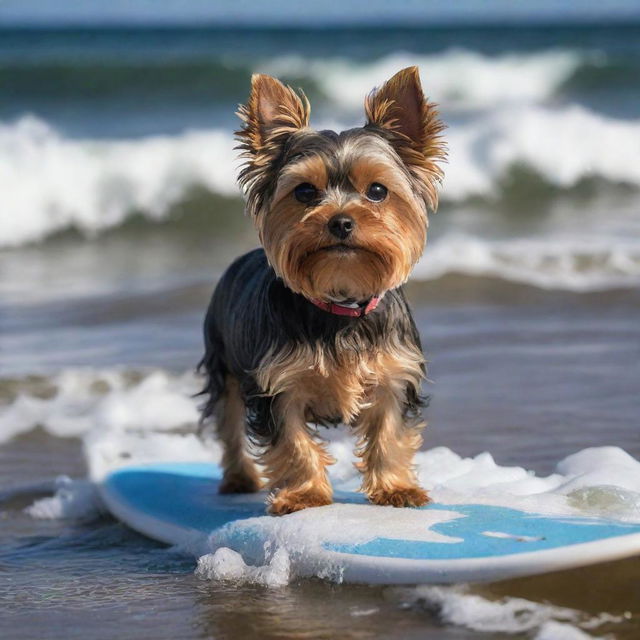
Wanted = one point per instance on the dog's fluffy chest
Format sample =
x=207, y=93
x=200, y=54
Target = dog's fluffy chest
x=331, y=387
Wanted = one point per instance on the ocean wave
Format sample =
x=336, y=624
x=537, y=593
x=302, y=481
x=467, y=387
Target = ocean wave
x=51, y=183
x=562, y=146
x=576, y=264
x=455, y=79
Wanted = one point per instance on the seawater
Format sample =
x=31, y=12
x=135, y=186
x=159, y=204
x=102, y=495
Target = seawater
x=120, y=210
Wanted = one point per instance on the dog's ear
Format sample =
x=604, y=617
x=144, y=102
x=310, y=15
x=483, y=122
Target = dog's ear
x=272, y=114
x=400, y=108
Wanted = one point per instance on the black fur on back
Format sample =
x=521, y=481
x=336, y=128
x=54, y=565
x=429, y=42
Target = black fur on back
x=252, y=312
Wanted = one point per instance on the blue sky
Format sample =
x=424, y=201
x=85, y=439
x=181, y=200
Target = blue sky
x=373, y=12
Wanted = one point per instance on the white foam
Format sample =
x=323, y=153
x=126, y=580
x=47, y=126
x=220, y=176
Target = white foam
x=150, y=416
x=122, y=417
x=584, y=261
x=115, y=415
x=455, y=79
x=76, y=500
x=450, y=479
x=50, y=182
x=301, y=535
x=120, y=427
x=459, y=606
x=228, y=565
x=563, y=146
x=85, y=399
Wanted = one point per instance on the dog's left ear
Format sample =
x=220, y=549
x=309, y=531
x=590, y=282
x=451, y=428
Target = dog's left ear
x=401, y=109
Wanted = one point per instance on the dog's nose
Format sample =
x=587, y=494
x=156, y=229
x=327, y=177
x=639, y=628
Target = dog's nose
x=341, y=226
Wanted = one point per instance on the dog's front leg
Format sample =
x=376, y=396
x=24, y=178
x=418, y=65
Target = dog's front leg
x=387, y=444
x=295, y=464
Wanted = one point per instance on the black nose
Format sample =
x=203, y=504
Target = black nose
x=341, y=226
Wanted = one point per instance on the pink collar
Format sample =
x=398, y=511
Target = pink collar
x=343, y=310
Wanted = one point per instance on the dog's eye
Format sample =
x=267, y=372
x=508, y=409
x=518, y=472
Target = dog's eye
x=376, y=192
x=305, y=193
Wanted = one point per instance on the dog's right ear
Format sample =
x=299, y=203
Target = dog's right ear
x=272, y=114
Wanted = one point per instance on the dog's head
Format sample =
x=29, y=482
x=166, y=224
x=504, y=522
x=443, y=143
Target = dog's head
x=341, y=216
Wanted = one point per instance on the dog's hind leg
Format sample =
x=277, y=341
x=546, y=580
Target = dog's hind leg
x=240, y=472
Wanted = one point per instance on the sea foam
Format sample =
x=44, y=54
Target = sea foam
x=582, y=261
x=459, y=606
x=75, y=500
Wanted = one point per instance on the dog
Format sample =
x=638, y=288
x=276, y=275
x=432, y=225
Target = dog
x=314, y=328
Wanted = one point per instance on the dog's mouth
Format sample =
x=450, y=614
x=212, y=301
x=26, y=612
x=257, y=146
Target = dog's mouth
x=341, y=248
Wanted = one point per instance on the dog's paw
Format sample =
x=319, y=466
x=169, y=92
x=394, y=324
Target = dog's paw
x=289, y=500
x=400, y=497
x=239, y=483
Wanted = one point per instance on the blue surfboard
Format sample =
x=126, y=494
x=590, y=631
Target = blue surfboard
x=179, y=504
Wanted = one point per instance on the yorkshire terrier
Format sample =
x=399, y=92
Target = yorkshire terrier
x=314, y=328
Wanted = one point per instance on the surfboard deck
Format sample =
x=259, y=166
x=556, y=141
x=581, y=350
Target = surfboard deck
x=179, y=504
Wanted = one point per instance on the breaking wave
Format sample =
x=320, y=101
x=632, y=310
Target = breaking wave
x=455, y=79
x=573, y=264
x=51, y=183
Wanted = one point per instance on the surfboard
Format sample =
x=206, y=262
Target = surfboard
x=179, y=504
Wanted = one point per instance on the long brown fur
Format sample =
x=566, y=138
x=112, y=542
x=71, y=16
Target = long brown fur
x=366, y=390
x=365, y=373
